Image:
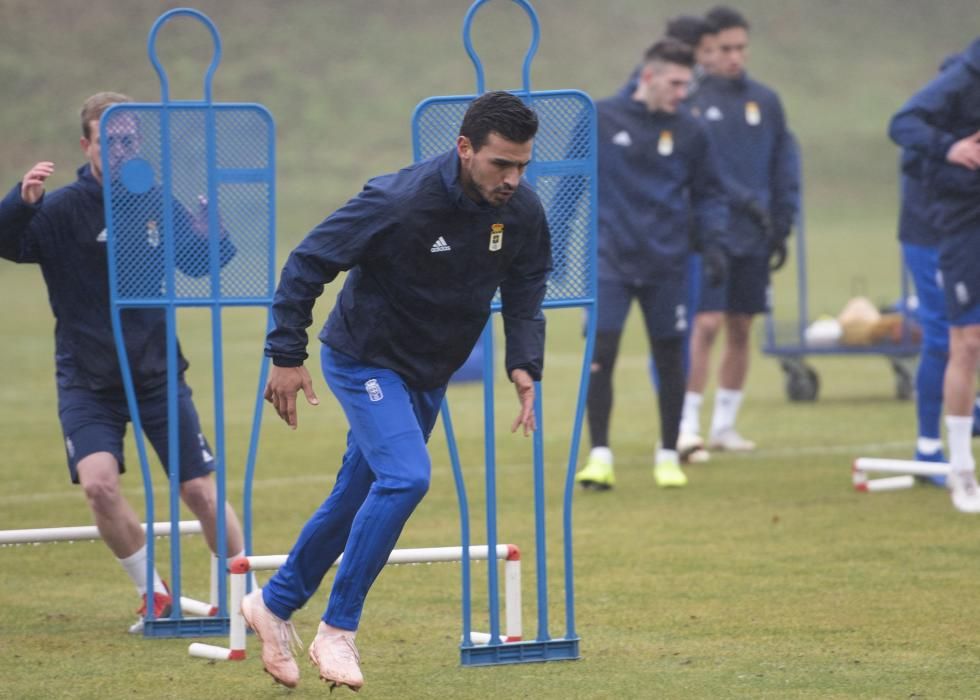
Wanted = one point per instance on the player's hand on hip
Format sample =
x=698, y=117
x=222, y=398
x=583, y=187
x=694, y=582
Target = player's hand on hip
x=32, y=186
x=283, y=386
x=966, y=152
x=525, y=395
x=715, y=261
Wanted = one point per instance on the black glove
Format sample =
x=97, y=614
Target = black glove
x=715, y=261
x=760, y=217
x=777, y=254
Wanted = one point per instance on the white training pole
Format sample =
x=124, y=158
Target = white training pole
x=86, y=532
x=901, y=466
x=512, y=598
x=235, y=651
x=191, y=606
x=890, y=483
x=243, y=566
x=908, y=469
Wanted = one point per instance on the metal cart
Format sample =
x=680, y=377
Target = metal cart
x=787, y=341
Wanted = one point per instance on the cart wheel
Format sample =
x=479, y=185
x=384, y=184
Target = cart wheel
x=904, y=381
x=802, y=381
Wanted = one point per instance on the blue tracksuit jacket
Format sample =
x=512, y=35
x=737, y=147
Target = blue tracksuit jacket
x=424, y=263
x=946, y=110
x=657, y=172
x=757, y=156
x=65, y=234
x=914, y=226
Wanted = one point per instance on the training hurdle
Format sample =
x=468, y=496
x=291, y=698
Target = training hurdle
x=241, y=567
x=82, y=533
x=905, y=469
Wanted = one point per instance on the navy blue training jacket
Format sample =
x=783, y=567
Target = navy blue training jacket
x=65, y=234
x=946, y=110
x=914, y=226
x=757, y=156
x=657, y=172
x=424, y=263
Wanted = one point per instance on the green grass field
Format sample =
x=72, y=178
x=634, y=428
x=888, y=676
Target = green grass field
x=768, y=577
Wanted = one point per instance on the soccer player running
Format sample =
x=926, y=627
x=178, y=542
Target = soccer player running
x=940, y=124
x=657, y=172
x=759, y=165
x=64, y=232
x=426, y=249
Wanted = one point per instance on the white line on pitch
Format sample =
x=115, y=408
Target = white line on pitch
x=326, y=478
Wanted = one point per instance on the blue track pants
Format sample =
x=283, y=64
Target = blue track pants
x=384, y=475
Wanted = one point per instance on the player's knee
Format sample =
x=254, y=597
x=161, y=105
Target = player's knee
x=102, y=492
x=738, y=328
x=604, y=354
x=707, y=325
x=199, y=494
x=413, y=483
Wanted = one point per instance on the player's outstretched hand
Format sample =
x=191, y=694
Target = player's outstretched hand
x=281, y=389
x=525, y=395
x=32, y=186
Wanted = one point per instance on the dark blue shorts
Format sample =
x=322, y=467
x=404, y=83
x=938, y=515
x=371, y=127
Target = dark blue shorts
x=745, y=290
x=663, y=303
x=95, y=421
x=958, y=256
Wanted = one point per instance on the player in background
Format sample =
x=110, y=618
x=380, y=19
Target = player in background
x=920, y=249
x=64, y=233
x=940, y=125
x=426, y=250
x=697, y=33
x=657, y=173
x=759, y=164
x=702, y=37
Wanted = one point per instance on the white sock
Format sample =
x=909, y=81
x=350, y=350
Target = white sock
x=666, y=456
x=958, y=434
x=727, y=402
x=691, y=415
x=135, y=566
x=602, y=453
x=928, y=446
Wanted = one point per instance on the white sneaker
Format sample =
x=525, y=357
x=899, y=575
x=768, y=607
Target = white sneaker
x=729, y=440
x=963, y=489
x=334, y=654
x=278, y=637
x=690, y=449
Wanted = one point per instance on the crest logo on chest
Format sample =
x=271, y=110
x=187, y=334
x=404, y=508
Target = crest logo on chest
x=496, y=237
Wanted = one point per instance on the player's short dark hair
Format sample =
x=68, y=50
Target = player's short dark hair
x=689, y=29
x=499, y=112
x=95, y=105
x=670, y=51
x=722, y=17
